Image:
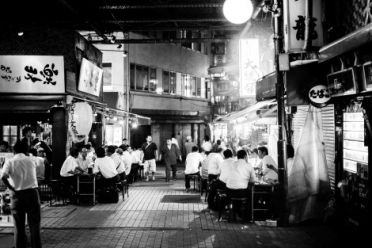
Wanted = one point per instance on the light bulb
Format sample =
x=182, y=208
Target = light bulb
x=238, y=11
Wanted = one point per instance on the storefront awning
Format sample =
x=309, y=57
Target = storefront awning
x=247, y=114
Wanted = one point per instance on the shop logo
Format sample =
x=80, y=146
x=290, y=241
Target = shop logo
x=319, y=96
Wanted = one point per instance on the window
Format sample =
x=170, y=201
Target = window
x=193, y=86
x=107, y=74
x=153, y=81
x=185, y=79
x=198, y=86
x=166, y=82
x=10, y=134
x=132, y=76
x=142, y=77
x=172, y=82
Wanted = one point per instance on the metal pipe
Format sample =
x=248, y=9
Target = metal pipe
x=282, y=158
x=146, y=41
x=217, y=4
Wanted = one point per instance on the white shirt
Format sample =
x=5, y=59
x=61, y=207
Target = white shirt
x=40, y=167
x=126, y=158
x=193, y=161
x=240, y=174
x=106, y=166
x=22, y=172
x=175, y=141
x=225, y=169
x=214, y=162
x=207, y=146
x=119, y=165
x=69, y=165
x=269, y=174
x=84, y=164
x=136, y=156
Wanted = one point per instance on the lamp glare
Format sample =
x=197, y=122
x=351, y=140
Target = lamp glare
x=238, y=11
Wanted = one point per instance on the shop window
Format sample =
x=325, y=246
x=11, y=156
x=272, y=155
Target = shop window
x=132, y=76
x=10, y=134
x=107, y=74
x=193, y=86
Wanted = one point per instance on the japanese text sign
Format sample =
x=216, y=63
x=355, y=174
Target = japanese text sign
x=90, y=79
x=32, y=74
x=295, y=24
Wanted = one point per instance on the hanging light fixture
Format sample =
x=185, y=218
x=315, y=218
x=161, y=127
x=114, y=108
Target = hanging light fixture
x=238, y=11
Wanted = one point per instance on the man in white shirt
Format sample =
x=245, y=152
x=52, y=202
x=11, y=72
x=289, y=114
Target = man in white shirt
x=119, y=165
x=136, y=167
x=25, y=197
x=69, y=169
x=193, y=162
x=268, y=166
x=207, y=145
x=240, y=175
x=126, y=159
x=213, y=162
x=237, y=181
x=40, y=164
x=84, y=161
x=106, y=166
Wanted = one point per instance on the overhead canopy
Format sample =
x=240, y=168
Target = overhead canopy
x=247, y=114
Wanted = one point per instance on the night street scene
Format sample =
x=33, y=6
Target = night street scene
x=185, y=123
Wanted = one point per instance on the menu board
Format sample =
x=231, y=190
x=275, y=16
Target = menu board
x=354, y=149
x=355, y=164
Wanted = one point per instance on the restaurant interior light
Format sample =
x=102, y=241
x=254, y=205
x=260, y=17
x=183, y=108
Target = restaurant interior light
x=20, y=33
x=238, y=11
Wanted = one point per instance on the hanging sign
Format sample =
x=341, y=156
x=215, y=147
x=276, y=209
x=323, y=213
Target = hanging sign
x=319, y=96
x=32, y=74
x=90, y=79
x=295, y=25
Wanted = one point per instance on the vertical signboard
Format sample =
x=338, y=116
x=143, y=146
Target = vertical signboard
x=295, y=24
x=248, y=66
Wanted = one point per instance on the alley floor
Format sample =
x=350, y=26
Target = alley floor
x=160, y=214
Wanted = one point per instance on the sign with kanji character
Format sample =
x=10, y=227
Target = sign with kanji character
x=295, y=25
x=90, y=79
x=32, y=74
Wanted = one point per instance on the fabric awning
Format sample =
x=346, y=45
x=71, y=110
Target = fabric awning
x=247, y=114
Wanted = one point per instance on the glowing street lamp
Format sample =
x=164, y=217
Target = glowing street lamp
x=238, y=11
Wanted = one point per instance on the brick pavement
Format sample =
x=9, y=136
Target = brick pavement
x=149, y=218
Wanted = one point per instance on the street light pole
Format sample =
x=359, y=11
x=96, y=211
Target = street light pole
x=281, y=145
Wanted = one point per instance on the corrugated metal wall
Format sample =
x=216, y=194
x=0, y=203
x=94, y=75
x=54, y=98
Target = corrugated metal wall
x=328, y=126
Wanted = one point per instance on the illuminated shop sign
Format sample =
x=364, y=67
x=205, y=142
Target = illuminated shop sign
x=319, y=95
x=32, y=74
x=90, y=79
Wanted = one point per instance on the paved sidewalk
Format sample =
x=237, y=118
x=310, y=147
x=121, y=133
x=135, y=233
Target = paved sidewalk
x=160, y=214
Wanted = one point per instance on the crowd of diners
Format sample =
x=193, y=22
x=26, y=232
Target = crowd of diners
x=232, y=170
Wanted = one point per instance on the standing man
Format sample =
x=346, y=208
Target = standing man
x=170, y=153
x=25, y=197
x=149, y=150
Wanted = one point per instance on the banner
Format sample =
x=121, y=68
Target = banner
x=32, y=74
x=295, y=25
x=90, y=79
x=308, y=182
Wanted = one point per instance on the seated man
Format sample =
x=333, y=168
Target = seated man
x=106, y=167
x=220, y=183
x=241, y=174
x=111, y=152
x=84, y=161
x=268, y=165
x=193, y=162
x=69, y=168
